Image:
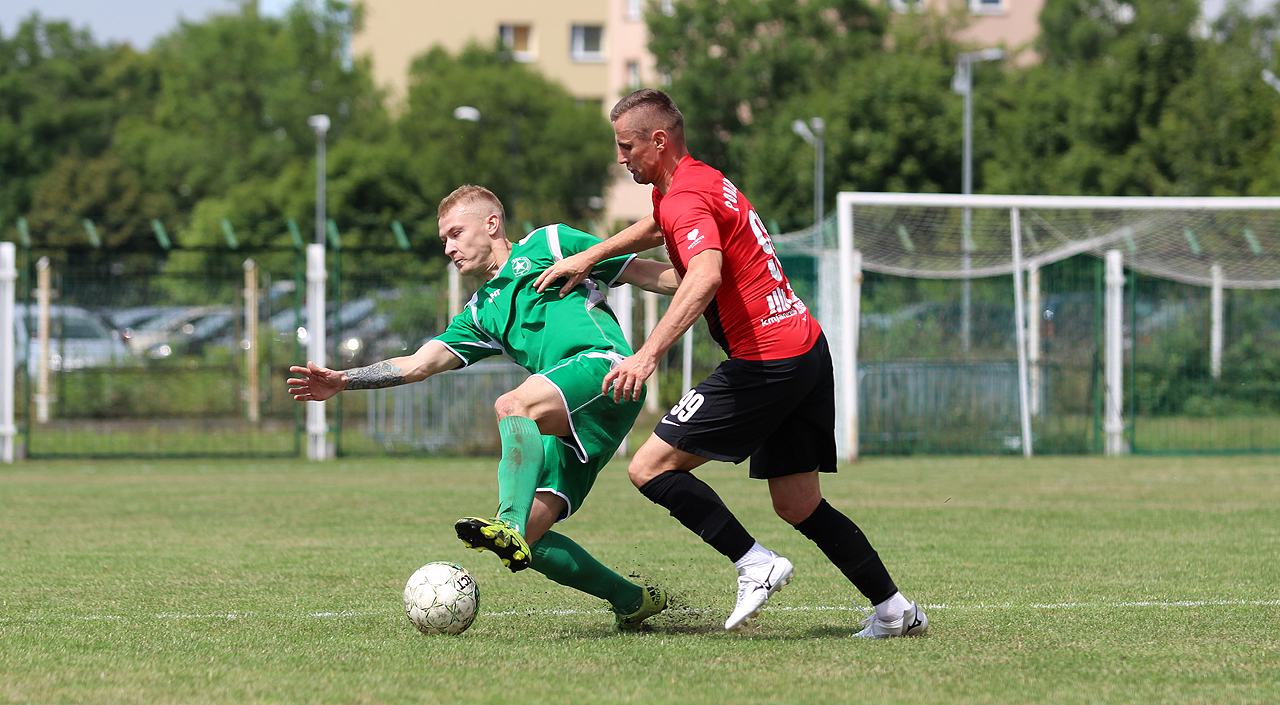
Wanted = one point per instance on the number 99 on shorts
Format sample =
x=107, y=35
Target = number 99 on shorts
x=688, y=405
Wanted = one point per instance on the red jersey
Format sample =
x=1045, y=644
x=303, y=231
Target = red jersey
x=755, y=315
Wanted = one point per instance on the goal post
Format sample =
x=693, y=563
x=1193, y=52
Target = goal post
x=1210, y=242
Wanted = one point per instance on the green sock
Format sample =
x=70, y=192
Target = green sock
x=560, y=559
x=518, y=470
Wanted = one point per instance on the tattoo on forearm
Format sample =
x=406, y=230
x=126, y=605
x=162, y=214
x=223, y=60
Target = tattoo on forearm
x=375, y=376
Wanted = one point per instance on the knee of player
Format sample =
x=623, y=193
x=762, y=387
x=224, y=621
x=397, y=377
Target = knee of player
x=638, y=473
x=794, y=509
x=510, y=404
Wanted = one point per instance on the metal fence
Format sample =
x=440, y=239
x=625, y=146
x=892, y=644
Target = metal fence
x=447, y=413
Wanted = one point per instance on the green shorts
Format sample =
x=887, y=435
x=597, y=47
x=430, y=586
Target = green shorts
x=597, y=422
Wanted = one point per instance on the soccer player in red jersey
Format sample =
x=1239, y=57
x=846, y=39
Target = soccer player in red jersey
x=772, y=401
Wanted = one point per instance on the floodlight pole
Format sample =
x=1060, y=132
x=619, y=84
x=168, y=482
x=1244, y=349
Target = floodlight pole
x=320, y=123
x=472, y=114
x=962, y=83
x=814, y=132
x=1271, y=79
x=317, y=427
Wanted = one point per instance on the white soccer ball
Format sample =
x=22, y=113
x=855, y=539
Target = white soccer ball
x=441, y=598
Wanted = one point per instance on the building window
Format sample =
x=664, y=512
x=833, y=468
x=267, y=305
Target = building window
x=635, y=10
x=986, y=7
x=633, y=75
x=519, y=39
x=587, y=43
x=903, y=7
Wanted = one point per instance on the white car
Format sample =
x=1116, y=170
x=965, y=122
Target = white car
x=77, y=339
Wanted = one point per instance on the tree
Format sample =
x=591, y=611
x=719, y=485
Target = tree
x=234, y=95
x=1082, y=121
x=533, y=137
x=734, y=62
x=60, y=94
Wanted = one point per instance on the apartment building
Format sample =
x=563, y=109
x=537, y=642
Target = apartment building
x=1011, y=24
x=598, y=49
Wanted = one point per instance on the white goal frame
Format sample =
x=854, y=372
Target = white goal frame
x=850, y=278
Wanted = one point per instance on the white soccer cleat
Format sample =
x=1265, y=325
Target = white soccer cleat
x=912, y=623
x=755, y=587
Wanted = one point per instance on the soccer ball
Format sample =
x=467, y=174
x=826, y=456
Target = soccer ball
x=441, y=598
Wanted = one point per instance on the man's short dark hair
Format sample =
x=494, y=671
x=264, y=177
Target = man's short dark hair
x=659, y=111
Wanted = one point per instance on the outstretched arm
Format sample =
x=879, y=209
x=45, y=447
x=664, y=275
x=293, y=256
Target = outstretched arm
x=638, y=237
x=316, y=383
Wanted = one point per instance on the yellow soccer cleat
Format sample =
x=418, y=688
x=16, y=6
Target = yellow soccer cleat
x=655, y=600
x=495, y=535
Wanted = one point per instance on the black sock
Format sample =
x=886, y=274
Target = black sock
x=848, y=548
x=699, y=508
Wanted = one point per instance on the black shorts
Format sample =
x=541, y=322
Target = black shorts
x=779, y=413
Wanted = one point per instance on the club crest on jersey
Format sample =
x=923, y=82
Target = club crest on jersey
x=694, y=238
x=520, y=266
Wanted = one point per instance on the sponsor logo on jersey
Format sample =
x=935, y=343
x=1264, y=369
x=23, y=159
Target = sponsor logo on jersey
x=520, y=266
x=493, y=295
x=694, y=238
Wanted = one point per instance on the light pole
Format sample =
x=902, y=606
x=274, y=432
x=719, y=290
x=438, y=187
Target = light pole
x=816, y=137
x=1271, y=79
x=317, y=427
x=962, y=83
x=319, y=123
x=471, y=114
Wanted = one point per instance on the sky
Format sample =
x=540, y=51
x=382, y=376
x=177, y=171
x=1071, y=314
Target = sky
x=137, y=22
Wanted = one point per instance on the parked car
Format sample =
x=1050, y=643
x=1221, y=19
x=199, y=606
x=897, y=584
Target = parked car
x=189, y=333
x=78, y=339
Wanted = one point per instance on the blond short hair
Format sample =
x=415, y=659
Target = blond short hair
x=470, y=194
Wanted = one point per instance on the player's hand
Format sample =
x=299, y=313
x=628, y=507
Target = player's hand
x=573, y=269
x=315, y=383
x=625, y=382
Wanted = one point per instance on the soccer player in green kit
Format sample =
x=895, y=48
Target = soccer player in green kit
x=557, y=428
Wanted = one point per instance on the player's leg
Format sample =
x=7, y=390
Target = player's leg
x=573, y=460
x=662, y=473
x=798, y=500
x=563, y=561
x=790, y=459
x=525, y=415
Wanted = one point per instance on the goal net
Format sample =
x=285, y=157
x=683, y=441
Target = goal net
x=921, y=296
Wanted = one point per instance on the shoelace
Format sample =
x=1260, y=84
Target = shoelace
x=868, y=619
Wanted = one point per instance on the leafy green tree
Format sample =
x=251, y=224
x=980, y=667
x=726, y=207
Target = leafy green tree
x=533, y=137
x=100, y=189
x=61, y=96
x=1081, y=122
x=1220, y=132
x=735, y=62
x=235, y=92
x=891, y=125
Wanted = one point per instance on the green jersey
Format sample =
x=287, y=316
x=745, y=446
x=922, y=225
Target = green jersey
x=507, y=316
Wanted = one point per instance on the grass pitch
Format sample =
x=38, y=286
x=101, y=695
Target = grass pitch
x=1055, y=580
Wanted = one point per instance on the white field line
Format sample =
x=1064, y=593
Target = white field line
x=779, y=608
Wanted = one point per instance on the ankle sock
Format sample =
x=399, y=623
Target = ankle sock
x=891, y=609
x=755, y=557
